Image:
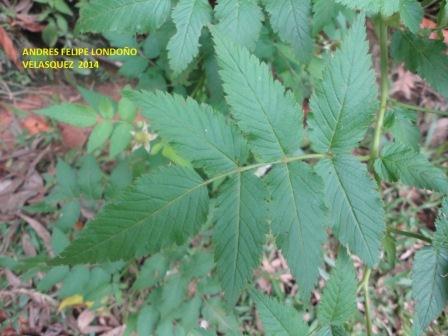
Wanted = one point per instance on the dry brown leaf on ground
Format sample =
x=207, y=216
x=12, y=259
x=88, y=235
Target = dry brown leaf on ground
x=405, y=83
x=8, y=46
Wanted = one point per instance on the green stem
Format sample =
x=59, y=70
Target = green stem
x=410, y=234
x=375, y=150
x=366, y=279
x=384, y=91
x=286, y=159
x=417, y=108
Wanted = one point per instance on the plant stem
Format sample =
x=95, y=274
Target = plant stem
x=366, y=279
x=418, y=108
x=410, y=234
x=286, y=159
x=375, y=150
x=384, y=91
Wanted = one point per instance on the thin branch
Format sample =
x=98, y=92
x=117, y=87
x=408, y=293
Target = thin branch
x=417, y=108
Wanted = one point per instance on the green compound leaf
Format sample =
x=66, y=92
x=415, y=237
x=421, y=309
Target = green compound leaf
x=128, y=16
x=338, y=302
x=189, y=16
x=355, y=206
x=342, y=105
x=240, y=20
x=429, y=286
x=263, y=110
x=166, y=206
x=278, y=319
x=241, y=226
x=197, y=132
x=290, y=19
x=423, y=56
x=399, y=162
x=72, y=114
x=299, y=220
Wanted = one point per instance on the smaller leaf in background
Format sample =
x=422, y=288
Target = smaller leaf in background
x=133, y=66
x=59, y=240
x=324, y=11
x=99, y=135
x=66, y=179
x=89, y=177
x=278, y=319
x=152, y=271
x=404, y=128
x=119, y=179
x=173, y=293
x=442, y=16
x=120, y=138
x=240, y=20
x=50, y=33
x=127, y=110
x=338, y=303
x=189, y=16
x=53, y=276
x=75, y=282
x=99, y=102
x=62, y=7
x=423, y=56
x=73, y=114
x=332, y=331
x=147, y=320
x=69, y=215
x=411, y=13
x=399, y=162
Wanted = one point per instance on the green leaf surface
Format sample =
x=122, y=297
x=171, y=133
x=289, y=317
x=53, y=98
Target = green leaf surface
x=332, y=331
x=429, y=285
x=324, y=11
x=385, y=7
x=197, y=132
x=355, y=205
x=72, y=114
x=399, y=162
x=239, y=234
x=343, y=103
x=189, y=16
x=278, y=319
x=423, y=56
x=123, y=15
x=338, y=302
x=411, y=13
x=290, y=19
x=405, y=130
x=120, y=138
x=166, y=206
x=99, y=135
x=240, y=20
x=298, y=220
x=263, y=110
